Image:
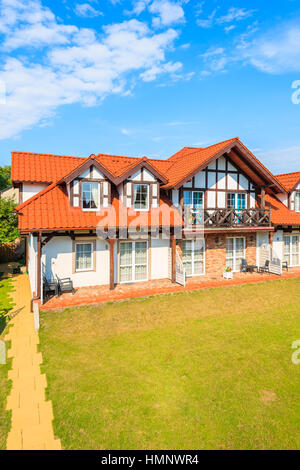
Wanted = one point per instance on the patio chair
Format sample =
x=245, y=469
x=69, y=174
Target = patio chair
x=65, y=285
x=245, y=267
x=49, y=286
x=265, y=268
x=285, y=265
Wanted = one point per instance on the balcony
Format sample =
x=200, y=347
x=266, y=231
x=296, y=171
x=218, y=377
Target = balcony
x=226, y=218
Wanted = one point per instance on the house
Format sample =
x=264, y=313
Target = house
x=10, y=193
x=108, y=219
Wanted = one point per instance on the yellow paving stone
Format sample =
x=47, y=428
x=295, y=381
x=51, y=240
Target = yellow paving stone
x=41, y=381
x=13, y=401
x=45, y=411
x=32, y=415
x=22, y=417
x=14, y=440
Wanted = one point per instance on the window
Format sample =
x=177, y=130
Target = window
x=133, y=261
x=193, y=257
x=291, y=250
x=297, y=202
x=84, y=257
x=235, y=252
x=236, y=200
x=141, y=197
x=90, y=196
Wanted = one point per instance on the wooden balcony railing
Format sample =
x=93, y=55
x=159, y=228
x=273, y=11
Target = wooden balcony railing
x=209, y=218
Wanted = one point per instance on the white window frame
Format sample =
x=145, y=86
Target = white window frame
x=193, y=258
x=133, y=262
x=234, y=251
x=290, y=254
x=98, y=202
x=142, y=183
x=92, y=257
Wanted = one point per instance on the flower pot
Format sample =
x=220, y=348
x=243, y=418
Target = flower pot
x=228, y=275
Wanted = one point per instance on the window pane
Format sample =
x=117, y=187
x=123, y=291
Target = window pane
x=84, y=256
x=187, y=198
x=141, y=253
x=188, y=267
x=140, y=272
x=90, y=195
x=126, y=273
x=197, y=199
x=141, y=196
x=231, y=200
x=125, y=254
x=297, y=202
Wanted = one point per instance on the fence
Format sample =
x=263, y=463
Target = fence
x=267, y=253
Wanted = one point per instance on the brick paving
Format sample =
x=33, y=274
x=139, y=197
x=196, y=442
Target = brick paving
x=32, y=415
x=99, y=294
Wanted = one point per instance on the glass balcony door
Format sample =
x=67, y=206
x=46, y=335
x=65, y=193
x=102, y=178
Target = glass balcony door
x=235, y=252
x=291, y=250
x=194, y=202
x=133, y=261
x=193, y=257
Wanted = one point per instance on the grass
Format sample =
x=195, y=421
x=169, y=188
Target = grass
x=5, y=306
x=200, y=370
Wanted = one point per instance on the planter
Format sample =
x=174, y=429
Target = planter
x=228, y=275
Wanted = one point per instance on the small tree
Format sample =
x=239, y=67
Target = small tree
x=8, y=221
x=5, y=180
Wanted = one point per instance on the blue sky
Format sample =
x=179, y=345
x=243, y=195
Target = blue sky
x=148, y=77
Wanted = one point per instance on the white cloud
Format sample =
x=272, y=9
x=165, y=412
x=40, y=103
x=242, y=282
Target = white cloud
x=125, y=131
x=277, y=51
x=81, y=67
x=233, y=14
x=276, y=159
x=168, y=12
x=86, y=10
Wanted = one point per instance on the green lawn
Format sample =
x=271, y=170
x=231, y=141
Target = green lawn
x=5, y=307
x=201, y=370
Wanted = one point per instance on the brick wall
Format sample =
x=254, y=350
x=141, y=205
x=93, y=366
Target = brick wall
x=216, y=251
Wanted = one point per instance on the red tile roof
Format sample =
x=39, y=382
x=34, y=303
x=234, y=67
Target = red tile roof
x=40, y=213
x=289, y=180
x=280, y=214
x=41, y=167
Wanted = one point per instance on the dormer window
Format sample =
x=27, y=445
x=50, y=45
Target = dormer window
x=90, y=196
x=297, y=202
x=141, y=197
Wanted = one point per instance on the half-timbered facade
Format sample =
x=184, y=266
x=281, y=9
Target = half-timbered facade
x=106, y=219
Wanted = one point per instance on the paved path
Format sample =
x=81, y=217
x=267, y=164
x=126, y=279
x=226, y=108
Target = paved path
x=31, y=426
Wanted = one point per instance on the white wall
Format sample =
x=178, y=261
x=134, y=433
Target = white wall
x=30, y=190
x=278, y=244
x=159, y=258
x=32, y=266
x=57, y=258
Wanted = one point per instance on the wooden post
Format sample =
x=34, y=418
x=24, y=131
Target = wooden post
x=173, y=250
x=111, y=264
x=27, y=253
x=39, y=262
x=263, y=198
x=271, y=236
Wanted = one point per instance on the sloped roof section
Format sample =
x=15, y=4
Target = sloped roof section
x=40, y=213
x=41, y=167
x=289, y=180
x=280, y=214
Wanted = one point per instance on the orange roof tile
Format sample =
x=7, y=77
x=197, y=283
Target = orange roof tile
x=280, y=214
x=289, y=180
x=41, y=167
